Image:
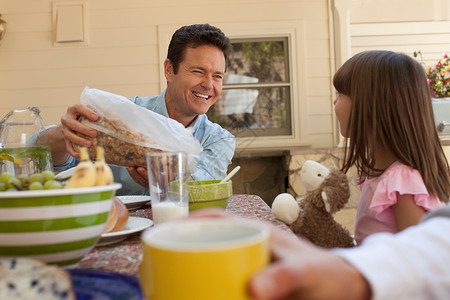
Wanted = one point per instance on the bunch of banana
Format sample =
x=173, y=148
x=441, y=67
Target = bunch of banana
x=104, y=172
x=88, y=174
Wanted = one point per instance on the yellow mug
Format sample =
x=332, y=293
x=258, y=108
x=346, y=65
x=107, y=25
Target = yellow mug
x=202, y=259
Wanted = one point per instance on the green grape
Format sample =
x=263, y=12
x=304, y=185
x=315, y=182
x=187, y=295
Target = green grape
x=38, y=177
x=11, y=190
x=48, y=175
x=52, y=185
x=34, y=186
x=14, y=182
x=6, y=176
x=38, y=181
x=24, y=179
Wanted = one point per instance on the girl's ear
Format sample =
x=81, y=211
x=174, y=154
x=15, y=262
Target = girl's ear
x=168, y=70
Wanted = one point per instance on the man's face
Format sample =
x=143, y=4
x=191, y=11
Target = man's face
x=198, y=83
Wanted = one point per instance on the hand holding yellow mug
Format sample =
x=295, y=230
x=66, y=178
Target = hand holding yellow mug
x=202, y=259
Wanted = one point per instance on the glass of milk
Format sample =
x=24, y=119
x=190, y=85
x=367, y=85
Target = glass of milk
x=168, y=186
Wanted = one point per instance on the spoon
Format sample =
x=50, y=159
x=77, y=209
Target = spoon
x=231, y=174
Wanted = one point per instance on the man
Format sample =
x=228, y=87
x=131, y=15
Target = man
x=194, y=70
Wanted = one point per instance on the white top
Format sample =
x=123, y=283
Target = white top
x=413, y=264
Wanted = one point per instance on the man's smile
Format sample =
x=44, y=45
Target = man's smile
x=201, y=95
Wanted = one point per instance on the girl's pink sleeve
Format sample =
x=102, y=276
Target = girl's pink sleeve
x=406, y=181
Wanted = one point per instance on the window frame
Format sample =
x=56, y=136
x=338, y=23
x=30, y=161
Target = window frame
x=266, y=132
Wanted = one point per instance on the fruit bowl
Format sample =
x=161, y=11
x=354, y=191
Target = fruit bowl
x=55, y=226
x=209, y=193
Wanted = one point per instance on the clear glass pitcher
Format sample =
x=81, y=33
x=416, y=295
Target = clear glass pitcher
x=19, y=151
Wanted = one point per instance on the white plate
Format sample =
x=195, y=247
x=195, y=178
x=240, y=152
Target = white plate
x=64, y=175
x=134, y=202
x=134, y=224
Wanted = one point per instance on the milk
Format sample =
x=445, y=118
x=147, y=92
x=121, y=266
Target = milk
x=168, y=211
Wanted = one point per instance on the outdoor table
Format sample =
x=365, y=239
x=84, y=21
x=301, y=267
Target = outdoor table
x=124, y=257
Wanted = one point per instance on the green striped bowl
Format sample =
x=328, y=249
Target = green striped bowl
x=55, y=226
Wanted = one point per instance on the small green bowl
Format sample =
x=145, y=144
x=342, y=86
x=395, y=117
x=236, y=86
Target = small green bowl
x=209, y=193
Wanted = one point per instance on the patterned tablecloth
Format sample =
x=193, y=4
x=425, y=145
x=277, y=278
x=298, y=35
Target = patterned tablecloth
x=124, y=257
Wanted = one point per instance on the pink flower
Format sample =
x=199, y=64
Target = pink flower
x=444, y=55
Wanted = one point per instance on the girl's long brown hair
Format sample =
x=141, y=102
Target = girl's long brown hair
x=391, y=105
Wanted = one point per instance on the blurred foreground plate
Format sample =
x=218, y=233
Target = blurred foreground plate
x=64, y=175
x=134, y=202
x=104, y=285
x=134, y=224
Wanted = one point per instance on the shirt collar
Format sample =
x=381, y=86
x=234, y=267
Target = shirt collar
x=160, y=104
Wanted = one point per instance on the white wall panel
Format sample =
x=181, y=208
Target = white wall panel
x=318, y=48
x=319, y=105
x=70, y=77
x=402, y=26
x=316, y=29
x=320, y=124
x=382, y=11
x=322, y=140
x=122, y=54
x=318, y=87
x=318, y=67
x=88, y=58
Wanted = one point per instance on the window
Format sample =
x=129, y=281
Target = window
x=256, y=97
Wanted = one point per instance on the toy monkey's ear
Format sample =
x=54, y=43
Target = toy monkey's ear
x=325, y=201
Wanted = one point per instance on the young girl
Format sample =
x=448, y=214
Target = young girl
x=384, y=110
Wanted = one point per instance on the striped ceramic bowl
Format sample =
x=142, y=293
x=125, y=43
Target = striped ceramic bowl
x=55, y=226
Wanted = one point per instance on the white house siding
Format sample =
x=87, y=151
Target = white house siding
x=122, y=54
x=401, y=25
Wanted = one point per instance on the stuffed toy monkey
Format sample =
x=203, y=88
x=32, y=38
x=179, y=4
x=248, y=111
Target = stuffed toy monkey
x=327, y=191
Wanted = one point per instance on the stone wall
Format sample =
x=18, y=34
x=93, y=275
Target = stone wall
x=265, y=175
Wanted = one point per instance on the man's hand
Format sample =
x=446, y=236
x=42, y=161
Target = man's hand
x=71, y=125
x=139, y=175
